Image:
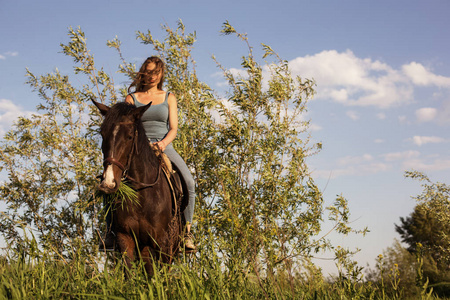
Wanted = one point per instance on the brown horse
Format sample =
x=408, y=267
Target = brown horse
x=151, y=228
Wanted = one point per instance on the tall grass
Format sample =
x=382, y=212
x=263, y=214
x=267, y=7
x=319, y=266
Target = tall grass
x=199, y=276
x=29, y=273
x=45, y=277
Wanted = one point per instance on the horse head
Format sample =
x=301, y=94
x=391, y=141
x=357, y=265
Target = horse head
x=119, y=132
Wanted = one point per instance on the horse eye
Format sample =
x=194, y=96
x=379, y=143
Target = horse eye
x=130, y=137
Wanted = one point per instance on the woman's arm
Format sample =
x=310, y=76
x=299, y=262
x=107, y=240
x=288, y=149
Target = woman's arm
x=173, y=123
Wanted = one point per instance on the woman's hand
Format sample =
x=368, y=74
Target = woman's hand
x=162, y=145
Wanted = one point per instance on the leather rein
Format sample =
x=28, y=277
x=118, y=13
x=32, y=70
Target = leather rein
x=112, y=161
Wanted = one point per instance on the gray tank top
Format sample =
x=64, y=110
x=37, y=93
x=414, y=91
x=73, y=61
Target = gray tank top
x=155, y=119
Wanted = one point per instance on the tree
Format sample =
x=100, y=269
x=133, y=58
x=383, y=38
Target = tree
x=429, y=226
x=258, y=208
x=52, y=157
x=396, y=268
x=267, y=200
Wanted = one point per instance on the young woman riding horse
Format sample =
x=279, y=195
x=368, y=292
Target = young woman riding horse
x=160, y=122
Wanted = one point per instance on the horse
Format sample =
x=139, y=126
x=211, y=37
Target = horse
x=150, y=228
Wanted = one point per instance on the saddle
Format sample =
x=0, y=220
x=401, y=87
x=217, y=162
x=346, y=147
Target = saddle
x=176, y=181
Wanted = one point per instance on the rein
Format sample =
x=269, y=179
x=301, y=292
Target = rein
x=145, y=185
x=113, y=161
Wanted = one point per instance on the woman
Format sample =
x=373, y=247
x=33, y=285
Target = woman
x=161, y=123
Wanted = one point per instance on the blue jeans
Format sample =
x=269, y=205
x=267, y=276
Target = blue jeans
x=176, y=159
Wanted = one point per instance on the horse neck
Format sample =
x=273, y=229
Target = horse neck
x=144, y=163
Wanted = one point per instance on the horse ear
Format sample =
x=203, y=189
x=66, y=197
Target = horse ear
x=102, y=107
x=138, y=112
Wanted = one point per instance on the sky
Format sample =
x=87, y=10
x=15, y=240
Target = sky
x=382, y=70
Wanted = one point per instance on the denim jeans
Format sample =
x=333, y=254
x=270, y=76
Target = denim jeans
x=176, y=159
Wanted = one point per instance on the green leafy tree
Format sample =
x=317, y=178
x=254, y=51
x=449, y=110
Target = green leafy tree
x=429, y=226
x=268, y=203
x=257, y=202
x=396, y=269
x=52, y=157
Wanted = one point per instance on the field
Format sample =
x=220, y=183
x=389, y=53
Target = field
x=199, y=276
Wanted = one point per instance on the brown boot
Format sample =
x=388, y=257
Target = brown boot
x=107, y=243
x=189, y=242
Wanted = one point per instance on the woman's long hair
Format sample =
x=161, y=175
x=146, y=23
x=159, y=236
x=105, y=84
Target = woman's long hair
x=142, y=77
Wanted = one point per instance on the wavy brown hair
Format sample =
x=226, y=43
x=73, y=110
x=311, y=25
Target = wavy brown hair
x=142, y=77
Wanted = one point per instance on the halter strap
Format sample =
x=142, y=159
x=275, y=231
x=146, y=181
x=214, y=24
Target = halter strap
x=113, y=161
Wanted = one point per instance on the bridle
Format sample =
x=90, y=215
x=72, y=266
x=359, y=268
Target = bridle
x=134, y=148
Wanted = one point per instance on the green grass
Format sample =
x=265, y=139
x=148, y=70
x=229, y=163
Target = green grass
x=203, y=276
x=85, y=278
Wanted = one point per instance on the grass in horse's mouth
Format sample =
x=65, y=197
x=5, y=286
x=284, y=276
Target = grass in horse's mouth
x=125, y=192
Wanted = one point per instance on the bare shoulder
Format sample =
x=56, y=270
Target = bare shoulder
x=172, y=99
x=129, y=99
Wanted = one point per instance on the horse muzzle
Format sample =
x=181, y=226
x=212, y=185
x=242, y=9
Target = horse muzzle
x=109, y=183
x=108, y=188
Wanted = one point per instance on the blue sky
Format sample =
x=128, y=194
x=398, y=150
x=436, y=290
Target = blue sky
x=382, y=70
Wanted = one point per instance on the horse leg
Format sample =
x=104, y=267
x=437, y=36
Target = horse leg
x=126, y=247
x=148, y=257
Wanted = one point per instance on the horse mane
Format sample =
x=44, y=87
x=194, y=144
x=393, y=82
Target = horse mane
x=117, y=113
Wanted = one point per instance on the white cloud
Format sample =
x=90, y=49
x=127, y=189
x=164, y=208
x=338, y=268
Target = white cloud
x=315, y=127
x=352, y=170
x=368, y=164
x=350, y=80
x=9, y=112
x=354, y=160
x=339, y=95
x=9, y=53
x=412, y=160
x=352, y=115
x=396, y=156
x=353, y=81
x=236, y=73
x=379, y=141
x=438, y=164
x=353, y=165
x=381, y=116
x=422, y=140
x=426, y=114
x=419, y=75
